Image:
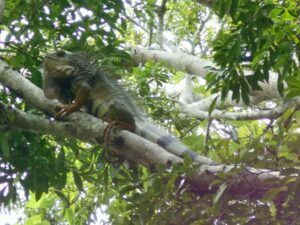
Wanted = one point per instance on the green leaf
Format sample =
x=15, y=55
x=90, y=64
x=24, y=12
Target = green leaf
x=78, y=181
x=4, y=28
x=44, y=202
x=44, y=222
x=233, y=8
x=60, y=181
x=286, y=16
x=34, y=220
x=38, y=193
x=236, y=93
x=213, y=105
x=222, y=8
x=281, y=61
x=62, y=197
x=286, y=115
x=280, y=87
x=4, y=145
x=273, y=210
x=69, y=215
x=219, y=198
x=196, y=142
x=274, y=192
x=60, y=160
x=126, y=189
x=245, y=92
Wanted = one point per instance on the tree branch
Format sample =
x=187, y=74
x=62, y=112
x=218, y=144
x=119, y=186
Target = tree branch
x=179, y=61
x=207, y=3
x=194, y=65
x=80, y=125
x=196, y=37
x=87, y=128
x=161, y=23
x=186, y=96
x=218, y=114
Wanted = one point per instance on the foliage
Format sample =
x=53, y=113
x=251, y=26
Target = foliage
x=261, y=36
x=67, y=181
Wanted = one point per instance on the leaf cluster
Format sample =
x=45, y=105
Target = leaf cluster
x=261, y=36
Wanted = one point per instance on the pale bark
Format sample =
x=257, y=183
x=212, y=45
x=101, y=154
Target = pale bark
x=250, y=115
x=87, y=128
x=194, y=65
x=161, y=23
x=186, y=96
x=179, y=61
x=207, y=3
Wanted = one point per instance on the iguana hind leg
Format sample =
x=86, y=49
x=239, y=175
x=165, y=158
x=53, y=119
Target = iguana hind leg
x=118, y=118
x=115, y=125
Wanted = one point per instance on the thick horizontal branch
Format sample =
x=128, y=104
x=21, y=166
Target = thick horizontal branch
x=182, y=62
x=244, y=183
x=79, y=125
x=31, y=93
x=134, y=148
x=88, y=129
x=84, y=127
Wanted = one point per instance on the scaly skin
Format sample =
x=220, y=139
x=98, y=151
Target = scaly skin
x=72, y=79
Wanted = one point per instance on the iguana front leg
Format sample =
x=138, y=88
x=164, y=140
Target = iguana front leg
x=81, y=98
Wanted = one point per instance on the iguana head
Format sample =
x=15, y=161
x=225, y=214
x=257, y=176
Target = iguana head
x=62, y=64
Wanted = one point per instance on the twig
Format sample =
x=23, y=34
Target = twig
x=160, y=26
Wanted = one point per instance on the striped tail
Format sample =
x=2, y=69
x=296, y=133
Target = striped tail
x=157, y=135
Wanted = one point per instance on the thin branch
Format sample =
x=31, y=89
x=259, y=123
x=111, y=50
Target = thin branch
x=161, y=23
x=264, y=114
x=207, y=136
x=135, y=23
x=196, y=36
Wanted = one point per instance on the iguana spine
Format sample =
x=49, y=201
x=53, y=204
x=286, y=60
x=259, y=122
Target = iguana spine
x=69, y=77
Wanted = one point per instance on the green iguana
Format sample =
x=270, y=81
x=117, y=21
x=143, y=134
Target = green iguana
x=73, y=79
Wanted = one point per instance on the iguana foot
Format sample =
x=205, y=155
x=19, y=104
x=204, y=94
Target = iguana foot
x=115, y=125
x=63, y=110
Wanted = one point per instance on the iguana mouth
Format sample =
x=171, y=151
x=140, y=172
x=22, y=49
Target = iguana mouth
x=51, y=61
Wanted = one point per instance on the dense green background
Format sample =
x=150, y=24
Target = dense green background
x=71, y=179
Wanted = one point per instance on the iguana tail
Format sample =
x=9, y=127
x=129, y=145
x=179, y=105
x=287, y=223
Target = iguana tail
x=161, y=137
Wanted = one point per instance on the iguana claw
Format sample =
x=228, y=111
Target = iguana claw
x=63, y=110
x=115, y=125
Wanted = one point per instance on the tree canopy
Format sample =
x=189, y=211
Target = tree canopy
x=222, y=76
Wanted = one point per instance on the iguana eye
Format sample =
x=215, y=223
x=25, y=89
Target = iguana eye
x=60, y=53
x=68, y=71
